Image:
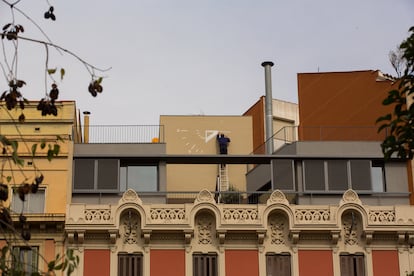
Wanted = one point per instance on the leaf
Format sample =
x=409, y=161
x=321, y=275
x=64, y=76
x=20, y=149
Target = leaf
x=5, y=27
x=51, y=265
x=56, y=149
x=49, y=155
x=34, y=147
x=99, y=80
x=384, y=118
x=58, y=267
x=62, y=73
x=4, y=140
x=18, y=161
x=8, y=178
x=42, y=145
x=14, y=144
x=51, y=71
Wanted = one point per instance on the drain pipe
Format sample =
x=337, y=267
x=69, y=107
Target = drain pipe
x=268, y=106
x=86, y=127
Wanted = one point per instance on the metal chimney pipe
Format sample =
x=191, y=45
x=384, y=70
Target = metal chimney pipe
x=86, y=127
x=268, y=106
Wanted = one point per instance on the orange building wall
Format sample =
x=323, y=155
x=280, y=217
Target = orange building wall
x=242, y=263
x=308, y=260
x=333, y=105
x=96, y=262
x=257, y=114
x=167, y=262
x=385, y=263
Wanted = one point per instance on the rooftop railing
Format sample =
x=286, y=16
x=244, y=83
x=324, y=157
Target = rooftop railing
x=107, y=134
x=290, y=134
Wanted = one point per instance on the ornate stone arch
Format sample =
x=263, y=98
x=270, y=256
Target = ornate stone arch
x=350, y=202
x=205, y=202
x=278, y=202
x=130, y=200
x=130, y=227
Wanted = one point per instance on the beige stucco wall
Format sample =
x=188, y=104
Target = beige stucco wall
x=197, y=135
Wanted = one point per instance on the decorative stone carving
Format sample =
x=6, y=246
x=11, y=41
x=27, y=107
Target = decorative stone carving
x=147, y=236
x=260, y=236
x=166, y=215
x=350, y=227
x=97, y=215
x=381, y=216
x=71, y=237
x=81, y=236
x=221, y=236
x=277, y=229
x=204, y=230
x=204, y=196
x=113, y=235
x=368, y=237
x=350, y=196
x=188, y=236
x=277, y=197
x=335, y=237
x=130, y=225
x=295, y=235
x=240, y=214
x=312, y=215
x=130, y=196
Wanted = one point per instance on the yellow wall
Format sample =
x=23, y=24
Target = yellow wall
x=36, y=129
x=197, y=135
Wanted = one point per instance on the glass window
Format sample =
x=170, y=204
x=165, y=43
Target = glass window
x=314, y=175
x=377, y=176
x=361, y=174
x=84, y=174
x=107, y=174
x=25, y=259
x=34, y=203
x=283, y=174
x=141, y=178
x=338, y=175
x=96, y=175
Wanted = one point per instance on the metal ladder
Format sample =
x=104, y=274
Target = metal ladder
x=223, y=178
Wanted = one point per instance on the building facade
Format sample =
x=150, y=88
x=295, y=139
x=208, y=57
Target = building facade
x=44, y=210
x=321, y=205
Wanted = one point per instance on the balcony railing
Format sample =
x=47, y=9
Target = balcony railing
x=107, y=134
x=290, y=134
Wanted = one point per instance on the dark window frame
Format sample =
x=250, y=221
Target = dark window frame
x=86, y=177
x=205, y=264
x=282, y=179
x=126, y=165
x=130, y=264
x=20, y=253
x=279, y=264
x=328, y=180
x=352, y=264
x=16, y=202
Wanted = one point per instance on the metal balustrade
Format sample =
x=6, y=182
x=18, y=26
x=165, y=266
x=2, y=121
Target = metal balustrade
x=119, y=134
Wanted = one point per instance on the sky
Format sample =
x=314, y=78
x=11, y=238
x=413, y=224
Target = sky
x=200, y=57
